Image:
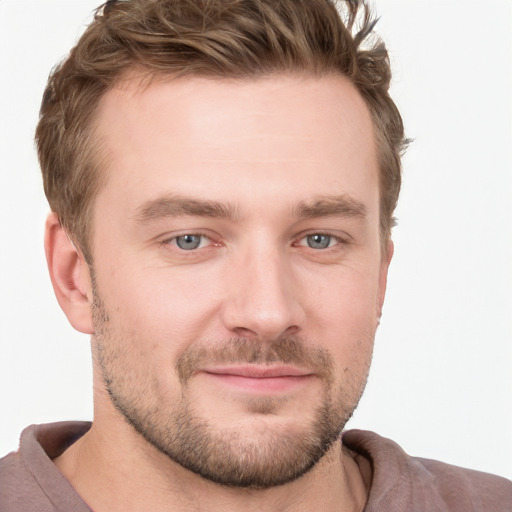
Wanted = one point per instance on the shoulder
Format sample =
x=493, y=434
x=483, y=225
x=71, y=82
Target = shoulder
x=399, y=481
x=19, y=490
x=28, y=478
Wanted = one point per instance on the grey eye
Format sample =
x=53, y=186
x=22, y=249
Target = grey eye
x=189, y=242
x=319, y=241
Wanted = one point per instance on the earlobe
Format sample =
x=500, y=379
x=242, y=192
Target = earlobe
x=69, y=274
x=383, y=277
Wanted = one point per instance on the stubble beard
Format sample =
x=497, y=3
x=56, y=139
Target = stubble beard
x=261, y=457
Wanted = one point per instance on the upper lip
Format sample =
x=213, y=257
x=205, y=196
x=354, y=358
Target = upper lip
x=258, y=371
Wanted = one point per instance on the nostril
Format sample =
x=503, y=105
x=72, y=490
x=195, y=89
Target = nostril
x=244, y=332
x=293, y=329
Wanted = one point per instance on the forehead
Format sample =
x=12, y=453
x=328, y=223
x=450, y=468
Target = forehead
x=279, y=136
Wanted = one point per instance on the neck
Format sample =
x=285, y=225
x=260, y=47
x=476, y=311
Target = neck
x=115, y=469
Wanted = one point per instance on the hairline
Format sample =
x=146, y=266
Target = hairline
x=143, y=77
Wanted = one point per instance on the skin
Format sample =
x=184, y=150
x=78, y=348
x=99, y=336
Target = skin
x=285, y=158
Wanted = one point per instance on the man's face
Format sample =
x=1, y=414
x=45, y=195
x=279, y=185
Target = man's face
x=238, y=277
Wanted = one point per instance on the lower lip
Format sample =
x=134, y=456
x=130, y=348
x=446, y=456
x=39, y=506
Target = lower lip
x=266, y=385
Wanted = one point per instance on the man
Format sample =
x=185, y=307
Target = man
x=222, y=177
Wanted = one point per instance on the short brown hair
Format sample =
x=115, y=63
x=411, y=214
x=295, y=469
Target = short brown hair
x=210, y=38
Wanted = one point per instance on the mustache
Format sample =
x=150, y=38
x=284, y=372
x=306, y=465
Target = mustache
x=286, y=350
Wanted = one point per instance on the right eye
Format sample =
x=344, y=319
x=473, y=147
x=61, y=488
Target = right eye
x=189, y=241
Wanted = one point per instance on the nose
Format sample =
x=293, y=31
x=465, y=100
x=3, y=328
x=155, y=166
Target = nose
x=264, y=299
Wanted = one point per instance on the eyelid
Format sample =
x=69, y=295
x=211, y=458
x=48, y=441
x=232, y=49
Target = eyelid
x=166, y=240
x=203, y=241
x=341, y=238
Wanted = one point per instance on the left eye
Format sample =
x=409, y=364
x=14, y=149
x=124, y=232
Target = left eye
x=319, y=241
x=189, y=242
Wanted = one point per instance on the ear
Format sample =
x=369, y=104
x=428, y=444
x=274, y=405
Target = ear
x=383, y=275
x=69, y=274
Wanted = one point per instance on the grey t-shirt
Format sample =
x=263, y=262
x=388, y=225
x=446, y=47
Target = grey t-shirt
x=30, y=482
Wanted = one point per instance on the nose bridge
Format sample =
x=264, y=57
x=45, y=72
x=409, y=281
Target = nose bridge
x=263, y=299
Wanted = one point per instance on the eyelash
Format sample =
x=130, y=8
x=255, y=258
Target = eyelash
x=339, y=241
x=174, y=241
x=297, y=243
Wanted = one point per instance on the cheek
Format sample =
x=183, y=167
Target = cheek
x=347, y=316
x=347, y=301
x=163, y=308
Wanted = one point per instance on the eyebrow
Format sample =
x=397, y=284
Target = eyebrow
x=335, y=206
x=175, y=206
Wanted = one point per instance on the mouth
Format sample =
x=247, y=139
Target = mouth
x=258, y=378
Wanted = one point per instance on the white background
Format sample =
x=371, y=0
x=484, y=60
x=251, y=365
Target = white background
x=441, y=383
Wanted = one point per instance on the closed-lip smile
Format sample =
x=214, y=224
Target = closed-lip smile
x=252, y=371
x=259, y=378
